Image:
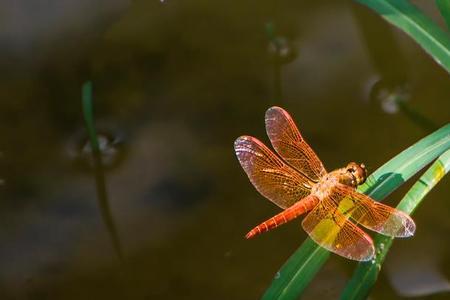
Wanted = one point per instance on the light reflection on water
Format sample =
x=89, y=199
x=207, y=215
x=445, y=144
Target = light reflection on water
x=184, y=80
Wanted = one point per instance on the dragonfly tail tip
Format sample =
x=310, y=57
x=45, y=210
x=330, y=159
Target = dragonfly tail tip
x=250, y=235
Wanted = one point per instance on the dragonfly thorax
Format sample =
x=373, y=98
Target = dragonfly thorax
x=353, y=174
x=324, y=187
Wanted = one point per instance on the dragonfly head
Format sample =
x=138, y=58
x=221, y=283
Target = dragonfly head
x=357, y=172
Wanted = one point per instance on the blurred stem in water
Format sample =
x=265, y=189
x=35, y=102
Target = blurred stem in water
x=89, y=116
x=444, y=8
x=415, y=116
x=381, y=46
x=102, y=195
x=277, y=81
x=395, y=99
x=388, y=60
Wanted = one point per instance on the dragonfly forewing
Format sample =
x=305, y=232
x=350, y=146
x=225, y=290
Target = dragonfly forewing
x=290, y=145
x=272, y=177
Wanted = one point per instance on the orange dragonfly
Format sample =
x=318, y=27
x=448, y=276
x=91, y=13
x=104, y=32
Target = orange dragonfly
x=299, y=183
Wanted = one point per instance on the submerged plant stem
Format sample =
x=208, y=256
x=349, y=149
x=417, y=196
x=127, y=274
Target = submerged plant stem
x=89, y=115
x=102, y=194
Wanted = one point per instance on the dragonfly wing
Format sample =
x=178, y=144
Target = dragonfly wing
x=375, y=215
x=329, y=228
x=290, y=145
x=272, y=177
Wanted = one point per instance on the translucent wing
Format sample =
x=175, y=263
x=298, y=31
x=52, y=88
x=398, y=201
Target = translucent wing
x=273, y=178
x=329, y=228
x=290, y=145
x=374, y=215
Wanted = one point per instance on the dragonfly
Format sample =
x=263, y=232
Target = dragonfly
x=297, y=181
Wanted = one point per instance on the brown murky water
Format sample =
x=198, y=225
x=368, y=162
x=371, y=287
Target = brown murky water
x=175, y=83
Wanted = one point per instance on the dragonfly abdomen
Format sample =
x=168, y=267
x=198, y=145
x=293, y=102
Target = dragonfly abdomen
x=301, y=207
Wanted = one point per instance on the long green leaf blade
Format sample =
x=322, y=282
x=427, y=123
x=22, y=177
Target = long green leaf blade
x=444, y=8
x=412, y=21
x=304, y=264
x=366, y=273
x=306, y=261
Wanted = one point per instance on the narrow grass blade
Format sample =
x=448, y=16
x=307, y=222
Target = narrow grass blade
x=301, y=267
x=412, y=21
x=366, y=273
x=444, y=8
x=86, y=97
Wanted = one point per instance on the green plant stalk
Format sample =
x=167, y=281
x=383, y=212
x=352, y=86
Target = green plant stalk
x=277, y=86
x=102, y=194
x=366, y=273
x=444, y=8
x=418, y=26
x=86, y=96
x=302, y=266
x=270, y=31
x=287, y=283
x=417, y=117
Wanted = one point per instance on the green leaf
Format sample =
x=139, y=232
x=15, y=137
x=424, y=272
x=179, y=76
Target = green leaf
x=301, y=267
x=412, y=21
x=366, y=273
x=444, y=8
x=86, y=99
x=306, y=261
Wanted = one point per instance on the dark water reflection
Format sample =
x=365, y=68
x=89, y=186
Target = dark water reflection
x=182, y=80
